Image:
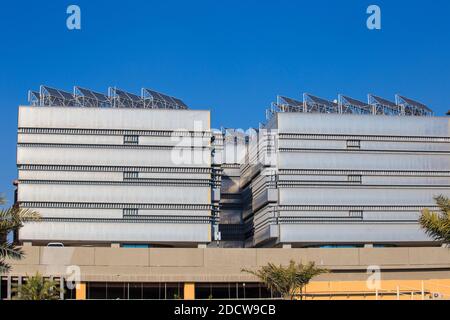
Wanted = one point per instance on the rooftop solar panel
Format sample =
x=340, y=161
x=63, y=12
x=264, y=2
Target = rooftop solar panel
x=415, y=103
x=322, y=101
x=92, y=94
x=180, y=103
x=165, y=101
x=384, y=102
x=35, y=94
x=54, y=92
x=355, y=102
x=128, y=95
x=292, y=102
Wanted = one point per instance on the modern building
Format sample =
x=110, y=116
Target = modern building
x=151, y=203
x=328, y=177
x=132, y=175
x=145, y=171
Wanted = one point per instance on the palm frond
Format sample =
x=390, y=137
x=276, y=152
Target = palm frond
x=4, y=267
x=288, y=281
x=437, y=224
x=10, y=251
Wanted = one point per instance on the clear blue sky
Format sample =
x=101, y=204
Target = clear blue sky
x=232, y=57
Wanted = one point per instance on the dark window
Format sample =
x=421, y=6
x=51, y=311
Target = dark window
x=130, y=212
x=356, y=214
x=353, y=144
x=131, y=175
x=355, y=179
x=131, y=139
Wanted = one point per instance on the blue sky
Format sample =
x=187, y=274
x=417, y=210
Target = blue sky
x=232, y=57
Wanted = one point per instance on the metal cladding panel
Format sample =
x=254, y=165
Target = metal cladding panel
x=411, y=181
x=113, y=118
x=230, y=216
x=112, y=213
x=115, y=232
x=365, y=145
x=352, y=233
x=320, y=123
x=79, y=213
x=364, y=161
x=72, y=139
x=405, y=146
x=70, y=175
x=114, y=157
x=230, y=185
x=174, y=140
x=330, y=216
x=313, y=144
x=179, y=176
x=114, y=194
x=313, y=178
x=360, y=196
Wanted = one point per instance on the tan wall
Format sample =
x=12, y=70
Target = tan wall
x=223, y=265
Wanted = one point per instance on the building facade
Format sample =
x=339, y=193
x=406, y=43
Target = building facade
x=146, y=171
x=115, y=175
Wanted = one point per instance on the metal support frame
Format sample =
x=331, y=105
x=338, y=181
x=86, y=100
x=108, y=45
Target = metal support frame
x=116, y=98
x=347, y=105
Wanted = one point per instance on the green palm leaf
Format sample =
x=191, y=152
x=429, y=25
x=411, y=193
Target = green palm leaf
x=437, y=224
x=288, y=281
x=11, y=220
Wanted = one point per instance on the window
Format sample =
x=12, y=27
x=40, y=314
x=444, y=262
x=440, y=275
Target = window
x=130, y=212
x=355, y=179
x=130, y=139
x=353, y=144
x=131, y=175
x=356, y=214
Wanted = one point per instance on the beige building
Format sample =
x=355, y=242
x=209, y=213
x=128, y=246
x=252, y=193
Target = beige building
x=158, y=273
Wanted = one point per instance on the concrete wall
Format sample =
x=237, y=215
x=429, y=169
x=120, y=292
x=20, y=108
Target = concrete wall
x=225, y=265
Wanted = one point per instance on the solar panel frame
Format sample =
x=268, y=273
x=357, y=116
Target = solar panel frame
x=415, y=103
x=164, y=100
x=355, y=102
x=180, y=103
x=384, y=102
x=322, y=101
x=56, y=97
x=292, y=102
x=131, y=96
x=93, y=95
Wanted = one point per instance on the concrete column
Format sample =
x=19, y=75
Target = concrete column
x=115, y=245
x=61, y=286
x=27, y=244
x=19, y=284
x=8, y=288
x=80, y=293
x=368, y=245
x=286, y=246
x=202, y=245
x=189, y=291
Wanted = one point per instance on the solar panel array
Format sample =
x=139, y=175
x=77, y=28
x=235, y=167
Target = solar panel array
x=160, y=100
x=116, y=98
x=347, y=105
x=289, y=104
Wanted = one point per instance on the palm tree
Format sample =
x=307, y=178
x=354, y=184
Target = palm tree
x=11, y=220
x=38, y=288
x=437, y=224
x=288, y=281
